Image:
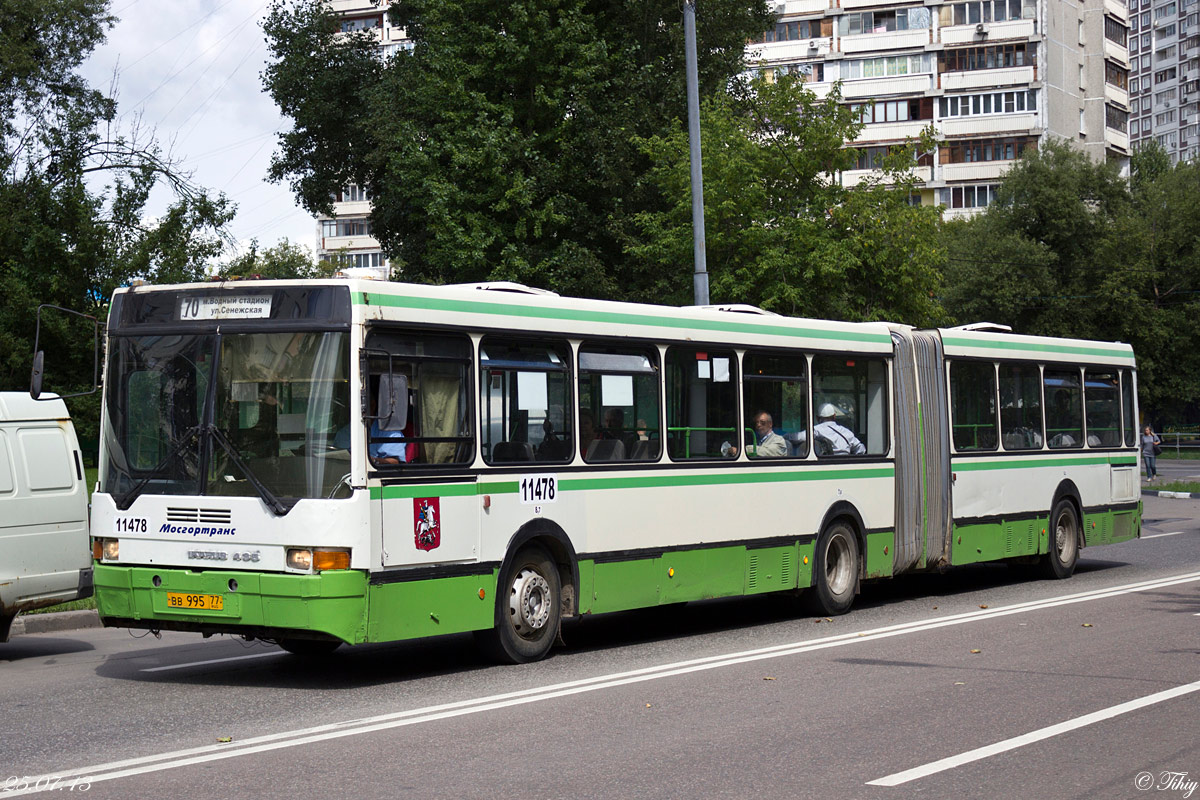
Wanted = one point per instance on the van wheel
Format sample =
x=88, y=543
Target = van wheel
x=528, y=611
x=309, y=648
x=835, y=571
x=1059, y=561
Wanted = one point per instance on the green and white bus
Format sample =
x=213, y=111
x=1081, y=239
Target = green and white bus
x=350, y=461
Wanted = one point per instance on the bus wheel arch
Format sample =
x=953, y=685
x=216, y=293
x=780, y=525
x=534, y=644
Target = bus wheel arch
x=1065, y=533
x=534, y=591
x=837, y=561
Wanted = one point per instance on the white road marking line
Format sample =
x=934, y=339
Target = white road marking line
x=198, y=755
x=212, y=661
x=1158, y=535
x=1034, y=736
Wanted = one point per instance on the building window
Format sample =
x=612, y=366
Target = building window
x=797, y=30
x=1164, y=97
x=968, y=196
x=990, y=103
x=353, y=194
x=968, y=151
x=881, y=67
x=872, y=158
x=987, y=11
x=1116, y=118
x=993, y=57
x=353, y=24
x=1164, y=11
x=1116, y=75
x=895, y=110
x=1115, y=31
x=900, y=19
x=1164, y=75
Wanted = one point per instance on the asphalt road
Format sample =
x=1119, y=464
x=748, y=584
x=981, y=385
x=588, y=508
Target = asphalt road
x=980, y=682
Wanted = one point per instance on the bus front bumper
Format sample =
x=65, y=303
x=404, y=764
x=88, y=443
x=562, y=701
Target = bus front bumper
x=261, y=605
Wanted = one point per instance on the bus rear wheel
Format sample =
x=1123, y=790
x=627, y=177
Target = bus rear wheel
x=528, y=611
x=835, y=570
x=1059, y=560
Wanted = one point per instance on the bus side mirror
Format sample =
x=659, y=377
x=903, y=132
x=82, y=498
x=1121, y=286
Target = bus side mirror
x=393, y=402
x=35, y=377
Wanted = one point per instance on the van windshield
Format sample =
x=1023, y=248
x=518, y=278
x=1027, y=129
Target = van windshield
x=226, y=414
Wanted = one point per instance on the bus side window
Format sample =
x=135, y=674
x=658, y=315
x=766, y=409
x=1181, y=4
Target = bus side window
x=619, y=405
x=775, y=384
x=973, y=405
x=437, y=428
x=702, y=413
x=525, y=400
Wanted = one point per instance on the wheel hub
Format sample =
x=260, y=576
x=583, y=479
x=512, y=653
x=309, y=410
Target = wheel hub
x=529, y=602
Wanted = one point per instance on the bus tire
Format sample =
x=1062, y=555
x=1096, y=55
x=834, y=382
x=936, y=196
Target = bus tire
x=1063, y=550
x=528, y=609
x=835, y=570
x=308, y=648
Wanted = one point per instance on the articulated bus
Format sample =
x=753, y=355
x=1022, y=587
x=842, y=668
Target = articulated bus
x=346, y=461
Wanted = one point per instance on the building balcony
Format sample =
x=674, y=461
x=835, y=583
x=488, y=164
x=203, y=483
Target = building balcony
x=331, y=243
x=806, y=6
x=965, y=34
x=853, y=177
x=880, y=132
x=988, y=78
x=353, y=6
x=1117, y=95
x=873, y=42
x=1118, y=140
x=974, y=171
x=1117, y=9
x=355, y=208
x=1116, y=52
x=985, y=125
x=882, y=87
x=769, y=53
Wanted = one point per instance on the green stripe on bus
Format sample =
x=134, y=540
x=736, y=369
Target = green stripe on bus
x=634, y=482
x=610, y=317
x=1066, y=349
x=1025, y=462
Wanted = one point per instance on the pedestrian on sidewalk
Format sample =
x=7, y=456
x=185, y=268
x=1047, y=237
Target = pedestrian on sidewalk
x=1150, y=450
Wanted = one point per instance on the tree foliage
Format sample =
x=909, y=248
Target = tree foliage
x=780, y=230
x=285, y=260
x=1075, y=249
x=73, y=191
x=503, y=145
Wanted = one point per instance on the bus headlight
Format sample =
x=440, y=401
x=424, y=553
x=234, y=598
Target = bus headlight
x=299, y=558
x=106, y=549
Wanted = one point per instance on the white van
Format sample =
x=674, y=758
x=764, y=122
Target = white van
x=45, y=555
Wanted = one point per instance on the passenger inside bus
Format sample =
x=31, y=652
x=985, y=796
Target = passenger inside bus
x=767, y=443
x=833, y=439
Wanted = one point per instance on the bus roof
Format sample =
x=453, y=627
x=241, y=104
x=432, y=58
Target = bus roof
x=511, y=306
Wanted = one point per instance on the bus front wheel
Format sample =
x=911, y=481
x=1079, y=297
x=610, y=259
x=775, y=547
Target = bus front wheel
x=528, y=612
x=1063, y=552
x=835, y=570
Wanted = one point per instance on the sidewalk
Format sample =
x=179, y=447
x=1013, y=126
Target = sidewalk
x=54, y=621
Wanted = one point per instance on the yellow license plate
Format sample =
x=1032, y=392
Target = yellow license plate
x=196, y=602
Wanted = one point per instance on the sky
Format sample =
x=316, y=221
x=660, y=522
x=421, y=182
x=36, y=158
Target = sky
x=192, y=70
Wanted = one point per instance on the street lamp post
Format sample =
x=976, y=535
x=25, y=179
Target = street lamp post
x=700, y=277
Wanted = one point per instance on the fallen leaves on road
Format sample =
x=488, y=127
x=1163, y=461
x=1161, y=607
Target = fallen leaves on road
x=976, y=652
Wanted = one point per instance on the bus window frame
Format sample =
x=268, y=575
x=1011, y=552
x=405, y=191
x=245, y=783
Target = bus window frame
x=806, y=356
x=530, y=339
x=656, y=354
x=950, y=362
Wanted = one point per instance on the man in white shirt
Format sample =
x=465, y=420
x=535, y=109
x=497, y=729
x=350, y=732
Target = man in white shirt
x=834, y=439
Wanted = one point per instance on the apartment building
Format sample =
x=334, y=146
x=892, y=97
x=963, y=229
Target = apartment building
x=993, y=78
x=346, y=234
x=1164, y=81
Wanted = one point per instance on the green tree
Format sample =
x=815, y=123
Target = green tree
x=284, y=260
x=503, y=145
x=73, y=192
x=780, y=230
x=1074, y=249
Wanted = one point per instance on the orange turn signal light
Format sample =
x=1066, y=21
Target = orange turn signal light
x=331, y=559
x=97, y=549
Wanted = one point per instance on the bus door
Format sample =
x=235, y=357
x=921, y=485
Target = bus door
x=420, y=446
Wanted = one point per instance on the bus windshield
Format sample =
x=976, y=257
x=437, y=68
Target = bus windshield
x=229, y=414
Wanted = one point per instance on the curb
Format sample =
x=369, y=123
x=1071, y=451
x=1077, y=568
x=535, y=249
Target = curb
x=55, y=621
x=1173, y=495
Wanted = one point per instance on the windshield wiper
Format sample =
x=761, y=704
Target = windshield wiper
x=278, y=506
x=126, y=500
